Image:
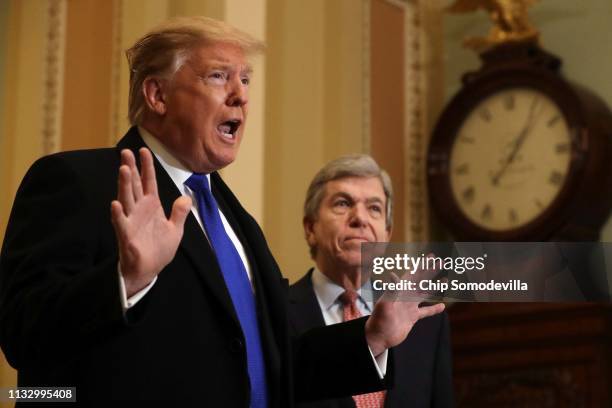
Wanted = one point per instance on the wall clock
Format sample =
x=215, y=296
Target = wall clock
x=521, y=153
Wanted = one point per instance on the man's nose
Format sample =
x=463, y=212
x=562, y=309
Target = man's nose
x=358, y=216
x=239, y=93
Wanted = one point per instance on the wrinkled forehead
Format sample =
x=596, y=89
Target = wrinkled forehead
x=366, y=188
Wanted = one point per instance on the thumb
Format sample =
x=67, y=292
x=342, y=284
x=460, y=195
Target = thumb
x=180, y=209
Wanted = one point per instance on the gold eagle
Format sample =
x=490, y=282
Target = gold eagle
x=510, y=21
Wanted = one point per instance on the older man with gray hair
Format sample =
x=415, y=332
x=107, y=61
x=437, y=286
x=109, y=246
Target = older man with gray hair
x=350, y=202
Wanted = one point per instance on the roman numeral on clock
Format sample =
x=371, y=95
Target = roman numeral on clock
x=552, y=121
x=485, y=114
x=487, y=212
x=556, y=178
x=509, y=102
x=468, y=194
x=462, y=169
x=513, y=216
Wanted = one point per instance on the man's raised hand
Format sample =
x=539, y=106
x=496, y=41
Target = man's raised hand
x=394, y=316
x=147, y=240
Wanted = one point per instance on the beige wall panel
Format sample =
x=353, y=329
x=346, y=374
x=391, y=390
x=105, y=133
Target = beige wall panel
x=246, y=174
x=22, y=114
x=294, y=124
x=209, y=8
x=9, y=86
x=343, y=80
x=133, y=18
x=23, y=93
x=87, y=91
x=387, y=99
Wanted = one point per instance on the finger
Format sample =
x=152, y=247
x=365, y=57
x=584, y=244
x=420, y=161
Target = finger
x=427, y=311
x=125, y=194
x=148, y=172
x=118, y=218
x=136, y=182
x=390, y=295
x=180, y=210
x=128, y=159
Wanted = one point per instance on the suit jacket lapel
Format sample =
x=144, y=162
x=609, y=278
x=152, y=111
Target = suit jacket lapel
x=305, y=306
x=194, y=243
x=273, y=286
x=241, y=222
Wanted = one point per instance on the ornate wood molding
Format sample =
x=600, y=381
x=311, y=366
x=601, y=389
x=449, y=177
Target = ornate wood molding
x=422, y=96
x=365, y=77
x=53, y=75
x=415, y=209
x=117, y=57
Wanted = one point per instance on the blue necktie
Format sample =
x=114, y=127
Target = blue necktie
x=237, y=283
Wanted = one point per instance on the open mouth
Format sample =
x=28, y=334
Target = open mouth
x=229, y=128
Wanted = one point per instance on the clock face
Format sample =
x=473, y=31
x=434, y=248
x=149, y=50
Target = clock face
x=510, y=159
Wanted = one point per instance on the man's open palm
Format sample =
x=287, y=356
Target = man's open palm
x=147, y=240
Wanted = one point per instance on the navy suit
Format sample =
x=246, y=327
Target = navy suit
x=421, y=365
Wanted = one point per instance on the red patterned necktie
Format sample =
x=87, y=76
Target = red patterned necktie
x=350, y=312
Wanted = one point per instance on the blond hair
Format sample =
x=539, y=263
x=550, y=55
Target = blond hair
x=164, y=49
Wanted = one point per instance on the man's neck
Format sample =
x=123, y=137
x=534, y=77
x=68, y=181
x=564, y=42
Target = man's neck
x=348, y=278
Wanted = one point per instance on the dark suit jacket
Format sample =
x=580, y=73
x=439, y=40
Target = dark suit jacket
x=421, y=364
x=61, y=321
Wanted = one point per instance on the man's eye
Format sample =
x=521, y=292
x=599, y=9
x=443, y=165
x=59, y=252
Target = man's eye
x=342, y=203
x=376, y=208
x=246, y=80
x=217, y=76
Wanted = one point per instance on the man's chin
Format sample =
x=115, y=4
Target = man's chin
x=352, y=260
x=219, y=161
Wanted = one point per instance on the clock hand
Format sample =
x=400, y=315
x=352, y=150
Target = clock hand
x=518, y=142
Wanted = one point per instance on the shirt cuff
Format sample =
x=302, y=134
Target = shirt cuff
x=380, y=362
x=128, y=303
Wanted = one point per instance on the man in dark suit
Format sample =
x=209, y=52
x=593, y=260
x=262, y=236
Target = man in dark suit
x=350, y=201
x=172, y=297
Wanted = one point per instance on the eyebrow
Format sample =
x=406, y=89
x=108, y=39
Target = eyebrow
x=246, y=70
x=344, y=194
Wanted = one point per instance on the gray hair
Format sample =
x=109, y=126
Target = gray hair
x=360, y=165
x=163, y=51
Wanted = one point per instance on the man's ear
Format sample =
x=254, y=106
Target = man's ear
x=154, y=95
x=309, y=231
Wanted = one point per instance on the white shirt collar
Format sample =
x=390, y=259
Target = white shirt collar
x=328, y=291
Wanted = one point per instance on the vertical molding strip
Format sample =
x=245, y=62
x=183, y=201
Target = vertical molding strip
x=365, y=77
x=115, y=85
x=53, y=77
x=416, y=214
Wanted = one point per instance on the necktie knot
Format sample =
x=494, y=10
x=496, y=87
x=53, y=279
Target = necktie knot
x=348, y=297
x=198, y=182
